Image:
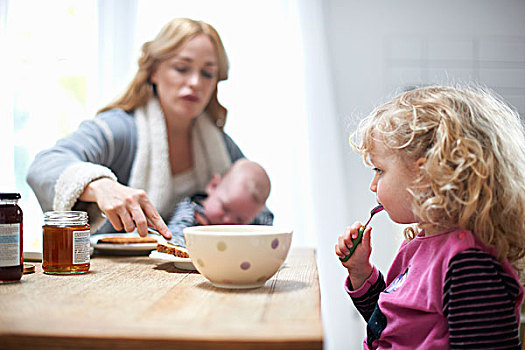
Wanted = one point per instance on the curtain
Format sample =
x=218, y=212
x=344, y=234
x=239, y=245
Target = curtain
x=6, y=106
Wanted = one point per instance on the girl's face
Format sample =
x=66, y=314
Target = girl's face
x=391, y=182
x=186, y=81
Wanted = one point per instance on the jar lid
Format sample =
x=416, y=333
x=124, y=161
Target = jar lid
x=65, y=218
x=9, y=195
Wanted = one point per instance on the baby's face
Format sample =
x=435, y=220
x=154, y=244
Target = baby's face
x=230, y=205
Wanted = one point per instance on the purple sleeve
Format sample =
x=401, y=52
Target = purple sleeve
x=365, y=297
x=479, y=302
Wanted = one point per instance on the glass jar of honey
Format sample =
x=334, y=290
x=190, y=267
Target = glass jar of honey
x=11, y=238
x=65, y=242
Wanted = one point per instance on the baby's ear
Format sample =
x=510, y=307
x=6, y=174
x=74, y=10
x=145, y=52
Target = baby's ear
x=214, y=182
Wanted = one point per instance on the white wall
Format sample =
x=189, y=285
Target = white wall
x=375, y=46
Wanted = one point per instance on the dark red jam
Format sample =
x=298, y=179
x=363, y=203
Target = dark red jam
x=11, y=238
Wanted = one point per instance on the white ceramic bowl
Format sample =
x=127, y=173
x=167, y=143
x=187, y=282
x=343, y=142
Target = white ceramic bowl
x=237, y=256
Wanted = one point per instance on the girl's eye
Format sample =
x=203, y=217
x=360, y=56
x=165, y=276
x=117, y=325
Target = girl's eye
x=378, y=171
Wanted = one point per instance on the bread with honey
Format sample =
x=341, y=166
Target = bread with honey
x=170, y=248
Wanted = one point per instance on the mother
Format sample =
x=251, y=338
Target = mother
x=162, y=140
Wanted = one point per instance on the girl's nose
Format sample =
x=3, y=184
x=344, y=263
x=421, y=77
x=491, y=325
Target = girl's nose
x=373, y=185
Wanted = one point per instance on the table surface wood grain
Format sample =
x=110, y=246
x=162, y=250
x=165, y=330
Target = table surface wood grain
x=140, y=302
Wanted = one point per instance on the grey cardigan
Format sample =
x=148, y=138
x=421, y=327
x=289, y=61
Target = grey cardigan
x=108, y=141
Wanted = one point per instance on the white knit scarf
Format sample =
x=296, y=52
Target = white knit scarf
x=151, y=169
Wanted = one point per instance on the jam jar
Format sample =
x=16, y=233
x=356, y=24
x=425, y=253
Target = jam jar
x=11, y=238
x=65, y=242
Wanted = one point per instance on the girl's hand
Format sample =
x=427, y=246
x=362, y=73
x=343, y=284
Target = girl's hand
x=358, y=266
x=125, y=207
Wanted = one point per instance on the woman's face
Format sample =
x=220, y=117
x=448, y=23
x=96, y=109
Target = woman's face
x=391, y=182
x=186, y=81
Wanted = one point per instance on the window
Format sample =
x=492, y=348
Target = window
x=51, y=74
x=71, y=57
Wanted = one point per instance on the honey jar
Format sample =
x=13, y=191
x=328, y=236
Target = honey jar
x=65, y=242
x=11, y=238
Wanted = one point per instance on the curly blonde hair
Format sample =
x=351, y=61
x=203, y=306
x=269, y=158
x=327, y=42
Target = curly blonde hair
x=167, y=42
x=474, y=174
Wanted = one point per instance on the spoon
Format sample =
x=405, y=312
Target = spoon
x=357, y=240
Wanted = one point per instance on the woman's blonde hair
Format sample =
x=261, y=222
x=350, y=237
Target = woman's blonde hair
x=171, y=37
x=474, y=174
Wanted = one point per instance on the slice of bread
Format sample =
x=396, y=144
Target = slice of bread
x=127, y=240
x=173, y=249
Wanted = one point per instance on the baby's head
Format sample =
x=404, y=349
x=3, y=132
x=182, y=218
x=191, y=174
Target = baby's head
x=473, y=149
x=238, y=195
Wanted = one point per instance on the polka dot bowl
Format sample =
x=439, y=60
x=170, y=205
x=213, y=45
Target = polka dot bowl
x=237, y=256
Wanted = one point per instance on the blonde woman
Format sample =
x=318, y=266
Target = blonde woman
x=162, y=140
x=451, y=160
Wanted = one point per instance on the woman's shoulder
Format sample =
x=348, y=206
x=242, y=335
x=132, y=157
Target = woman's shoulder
x=116, y=116
x=233, y=150
x=117, y=122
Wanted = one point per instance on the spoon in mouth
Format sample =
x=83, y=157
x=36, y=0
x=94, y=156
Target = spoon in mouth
x=357, y=240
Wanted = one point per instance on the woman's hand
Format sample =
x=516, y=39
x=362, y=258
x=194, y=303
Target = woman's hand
x=125, y=207
x=358, y=266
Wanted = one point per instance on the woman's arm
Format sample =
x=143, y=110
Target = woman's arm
x=479, y=302
x=81, y=171
x=75, y=160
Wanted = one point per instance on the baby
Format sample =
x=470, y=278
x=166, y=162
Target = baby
x=236, y=197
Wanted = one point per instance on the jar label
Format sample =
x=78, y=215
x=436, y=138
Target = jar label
x=80, y=247
x=9, y=245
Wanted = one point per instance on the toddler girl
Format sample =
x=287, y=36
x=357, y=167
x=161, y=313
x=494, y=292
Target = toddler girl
x=452, y=161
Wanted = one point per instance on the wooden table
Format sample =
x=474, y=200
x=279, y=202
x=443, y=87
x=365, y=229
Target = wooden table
x=140, y=302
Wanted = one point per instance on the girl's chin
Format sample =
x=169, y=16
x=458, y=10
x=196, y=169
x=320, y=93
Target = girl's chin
x=404, y=222
x=401, y=221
